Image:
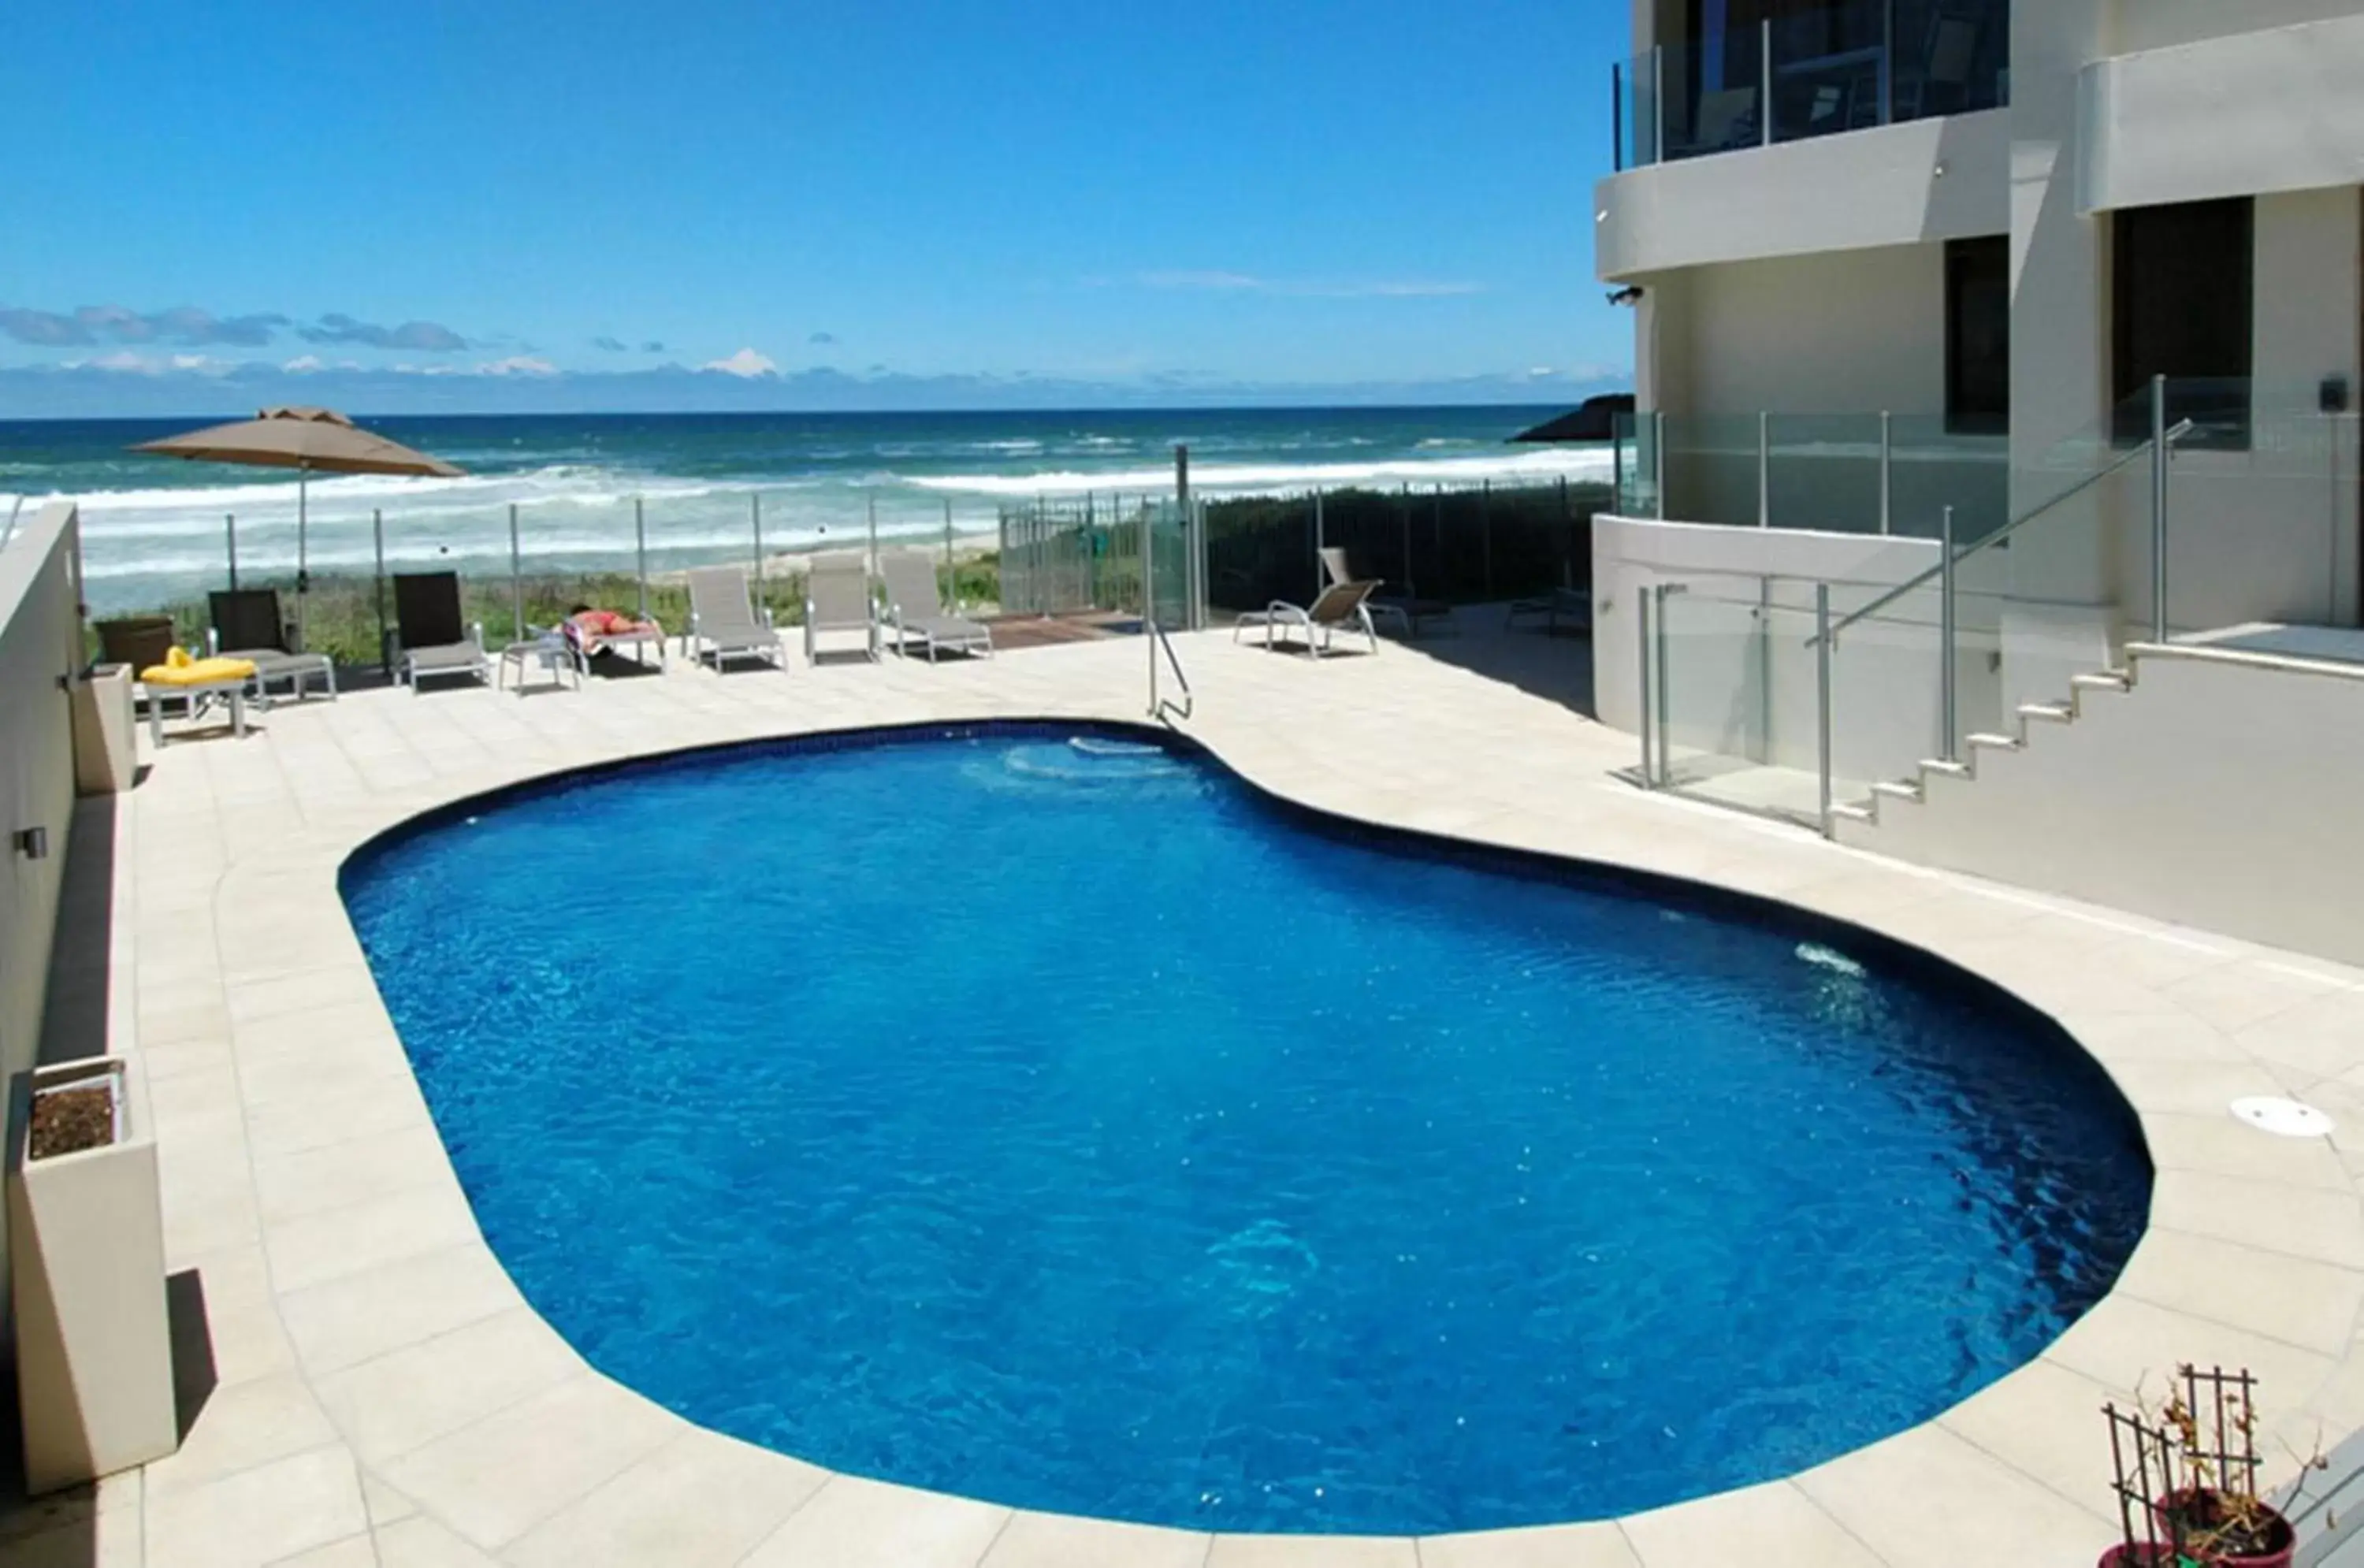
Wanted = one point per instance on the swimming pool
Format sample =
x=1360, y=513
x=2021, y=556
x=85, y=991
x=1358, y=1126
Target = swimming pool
x=1030, y=1115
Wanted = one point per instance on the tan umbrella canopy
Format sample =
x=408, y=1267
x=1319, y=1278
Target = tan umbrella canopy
x=309, y=440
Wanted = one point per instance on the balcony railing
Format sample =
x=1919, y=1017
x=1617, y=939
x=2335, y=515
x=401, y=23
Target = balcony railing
x=1847, y=66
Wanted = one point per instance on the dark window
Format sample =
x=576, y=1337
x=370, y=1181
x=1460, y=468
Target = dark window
x=2182, y=309
x=1977, y=336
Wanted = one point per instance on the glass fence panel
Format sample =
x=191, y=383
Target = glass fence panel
x=1829, y=69
x=1740, y=702
x=1949, y=57
x=1824, y=471
x=1711, y=468
x=1933, y=466
x=1710, y=93
x=2260, y=531
x=1634, y=83
x=1886, y=716
x=1635, y=464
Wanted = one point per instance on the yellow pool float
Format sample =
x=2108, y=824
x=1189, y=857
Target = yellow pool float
x=180, y=670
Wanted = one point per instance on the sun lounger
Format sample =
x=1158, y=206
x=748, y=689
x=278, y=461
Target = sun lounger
x=590, y=633
x=430, y=634
x=247, y=624
x=724, y=623
x=912, y=611
x=837, y=598
x=1407, y=612
x=1345, y=605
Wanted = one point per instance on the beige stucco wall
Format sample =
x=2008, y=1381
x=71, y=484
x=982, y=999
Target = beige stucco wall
x=40, y=643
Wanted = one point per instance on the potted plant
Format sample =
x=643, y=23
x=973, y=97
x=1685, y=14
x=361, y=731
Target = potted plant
x=2187, y=1479
x=86, y=1274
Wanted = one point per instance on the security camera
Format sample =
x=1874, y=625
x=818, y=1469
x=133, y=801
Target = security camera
x=1629, y=295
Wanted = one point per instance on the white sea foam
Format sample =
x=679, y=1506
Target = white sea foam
x=1537, y=466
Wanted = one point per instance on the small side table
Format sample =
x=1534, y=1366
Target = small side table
x=549, y=651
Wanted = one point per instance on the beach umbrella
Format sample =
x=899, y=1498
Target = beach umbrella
x=309, y=440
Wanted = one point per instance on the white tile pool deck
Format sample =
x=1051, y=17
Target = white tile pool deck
x=386, y=1396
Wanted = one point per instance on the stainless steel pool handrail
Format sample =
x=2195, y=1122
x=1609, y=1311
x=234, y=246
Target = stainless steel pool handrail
x=1158, y=707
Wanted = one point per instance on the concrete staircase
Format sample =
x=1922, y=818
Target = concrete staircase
x=2030, y=720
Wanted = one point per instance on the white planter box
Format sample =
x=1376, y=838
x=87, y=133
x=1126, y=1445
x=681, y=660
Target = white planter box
x=104, y=730
x=86, y=1260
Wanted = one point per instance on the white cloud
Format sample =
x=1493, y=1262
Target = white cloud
x=746, y=363
x=123, y=361
x=304, y=364
x=518, y=364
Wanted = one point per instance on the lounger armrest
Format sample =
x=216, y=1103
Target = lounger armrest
x=476, y=634
x=770, y=623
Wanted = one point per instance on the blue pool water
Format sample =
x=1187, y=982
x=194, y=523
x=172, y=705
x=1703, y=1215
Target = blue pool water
x=1072, y=1127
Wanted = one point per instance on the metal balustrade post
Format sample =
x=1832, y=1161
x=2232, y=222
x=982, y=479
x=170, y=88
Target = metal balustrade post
x=1320, y=541
x=1149, y=599
x=1658, y=103
x=951, y=572
x=230, y=528
x=1486, y=536
x=1642, y=665
x=1616, y=118
x=2158, y=509
x=1888, y=62
x=1947, y=674
x=1887, y=475
x=516, y=581
x=755, y=521
x=640, y=553
x=1658, y=462
x=1765, y=73
x=1666, y=710
x=1764, y=468
x=1823, y=708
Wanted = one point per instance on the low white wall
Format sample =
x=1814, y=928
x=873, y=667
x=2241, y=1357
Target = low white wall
x=1945, y=178
x=41, y=644
x=2275, y=108
x=2220, y=793
x=1742, y=679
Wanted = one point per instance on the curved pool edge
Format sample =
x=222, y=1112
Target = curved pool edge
x=2031, y=1437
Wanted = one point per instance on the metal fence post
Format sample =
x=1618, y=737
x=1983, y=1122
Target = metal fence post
x=1764, y=464
x=1486, y=525
x=230, y=527
x=377, y=538
x=2158, y=509
x=1887, y=475
x=640, y=553
x=1765, y=88
x=1149, y=600
x=1321, y=542
x=1616, y=118
x=1666, y=709
x=1822, y=707
x=1947, y=674
x=516, y=582
x=755, y=520
x=951, y=572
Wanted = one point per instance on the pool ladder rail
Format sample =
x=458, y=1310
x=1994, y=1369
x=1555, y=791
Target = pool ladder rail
x=1160, y=706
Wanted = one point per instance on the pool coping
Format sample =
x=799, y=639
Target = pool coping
x=462, y=1415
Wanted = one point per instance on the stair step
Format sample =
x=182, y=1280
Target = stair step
x=1897, y=789
x=1947, y=770
x=2107, y=681
x=2049, y=712
x=1997, y=742
x=1867, y=812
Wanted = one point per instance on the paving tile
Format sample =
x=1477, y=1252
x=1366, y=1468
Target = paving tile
x=2306, y=1222
x=2133, y=1345
x=312, y=1181
x=854, y=1523
x=423, y=1542
x=399, y=1402
x=354, y=1319
x=1772, y=1526
x=2220, y=1146
x=1916, y=1498
x=354, y=1552
x=2045, y=1422
x=2296, y=1300
x=496, y=1480
x=700, y=1499
x=239, y=1426
x=329, y=1245
x=1061, y=1541
x=385, y=1505
x=1554, y=1546
x=1311, y=1551
x=273, y=1511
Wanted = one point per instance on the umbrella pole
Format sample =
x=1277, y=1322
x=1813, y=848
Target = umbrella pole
x=377, y=538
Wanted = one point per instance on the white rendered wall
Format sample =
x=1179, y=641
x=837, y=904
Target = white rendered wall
x=40, y=642
x=2130, y=26
x=1902, y=184
x=2220, y=793
x=2278, y=109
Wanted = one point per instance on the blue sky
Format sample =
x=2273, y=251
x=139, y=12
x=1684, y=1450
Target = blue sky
x=1228, y=198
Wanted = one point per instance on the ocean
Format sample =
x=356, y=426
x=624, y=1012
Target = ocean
x=155, y=530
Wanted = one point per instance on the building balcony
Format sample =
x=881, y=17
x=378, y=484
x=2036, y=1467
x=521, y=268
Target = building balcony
x=1799, y=73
